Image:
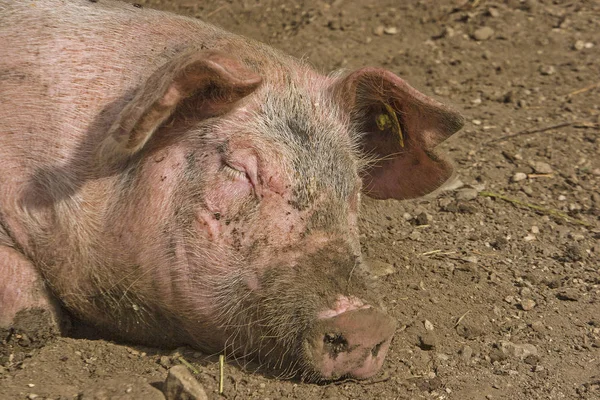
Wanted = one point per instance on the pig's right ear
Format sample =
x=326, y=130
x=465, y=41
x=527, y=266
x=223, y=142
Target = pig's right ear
x=215, y=80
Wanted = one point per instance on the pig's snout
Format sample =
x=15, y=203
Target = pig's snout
x=352, y=343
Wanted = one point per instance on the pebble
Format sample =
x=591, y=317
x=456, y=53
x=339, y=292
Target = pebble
x=423, y=219
x=579, y=45
x=568, y=295
x=379, y=268
x=562, y=197
x=466, y=194
x=535, y=230
x=378, y=30
x=32, y=396
x=518, y=350
x=165, y=361
x=493, y=12
x=547, y=70
x=180, y=384
x=428, y=325
x=527, y=304
x=541, y=167
x=519, y=176
x=428, y=341
x=390, y=30
x=466, y=352
x=525, y=291
x=483, y=33
x=538, y=326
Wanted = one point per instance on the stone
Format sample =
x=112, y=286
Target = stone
x=519, y=176
x=181, y=385
x=483, y=33
x=466, y=194
x=541, y=167
x=380, y=268
x=515, y=350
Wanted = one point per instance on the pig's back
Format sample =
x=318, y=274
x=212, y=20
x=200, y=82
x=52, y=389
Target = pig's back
x=67, y=67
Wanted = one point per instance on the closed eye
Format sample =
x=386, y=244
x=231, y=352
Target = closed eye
x=234, y=174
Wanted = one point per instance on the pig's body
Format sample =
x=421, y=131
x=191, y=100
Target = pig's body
x=174, y=183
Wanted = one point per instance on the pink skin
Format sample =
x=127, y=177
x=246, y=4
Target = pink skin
x=342, y=305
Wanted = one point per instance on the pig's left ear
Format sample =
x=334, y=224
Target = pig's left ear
x=400, y=127
x=215, y=81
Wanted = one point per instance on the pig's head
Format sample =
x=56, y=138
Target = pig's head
x=234, y=226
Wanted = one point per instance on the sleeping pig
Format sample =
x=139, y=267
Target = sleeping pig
x=172, y=183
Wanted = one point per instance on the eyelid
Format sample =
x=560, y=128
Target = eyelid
x=234, y=174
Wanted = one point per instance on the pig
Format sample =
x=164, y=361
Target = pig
x=171, y=183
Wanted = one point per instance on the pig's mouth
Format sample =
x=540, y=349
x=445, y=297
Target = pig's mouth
x=353, y=342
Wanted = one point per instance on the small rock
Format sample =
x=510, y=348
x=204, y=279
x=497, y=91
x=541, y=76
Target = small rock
x=538, y=326
x=532, y=359
x=428, y=341
x=483, y=33
x=527, y=304
x=415, y=235
x=390, y=30
x=562, y=197
x=547, y=70
x=579, y=45
x=165, y=361
x=428, y=325
x=378, y=31
x=181, y=385
x=493, y=12
x=466, y=194
x=568, y=295
x=525, y=291
x=541, y=167
x=407, y=216
x=423, y=219
x=466, y=352
x=518, y=350
x=535, y=230
x=32, y=396
x=519, y=176
x=379, y=268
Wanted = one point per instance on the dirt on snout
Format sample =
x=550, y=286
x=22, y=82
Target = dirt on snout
x=495, y=285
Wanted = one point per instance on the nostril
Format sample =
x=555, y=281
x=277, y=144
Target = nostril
x=335, y=343
x=376, y=348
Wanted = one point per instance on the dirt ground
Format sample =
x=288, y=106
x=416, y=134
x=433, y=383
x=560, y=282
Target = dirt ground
x=495, y=285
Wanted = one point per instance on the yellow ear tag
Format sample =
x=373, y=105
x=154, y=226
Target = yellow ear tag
x=390, y=121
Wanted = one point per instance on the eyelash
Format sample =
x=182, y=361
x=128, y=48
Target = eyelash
x=233, y=173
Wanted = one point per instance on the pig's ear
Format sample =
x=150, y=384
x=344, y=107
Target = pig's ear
x=400, y=127
x=214, y=80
